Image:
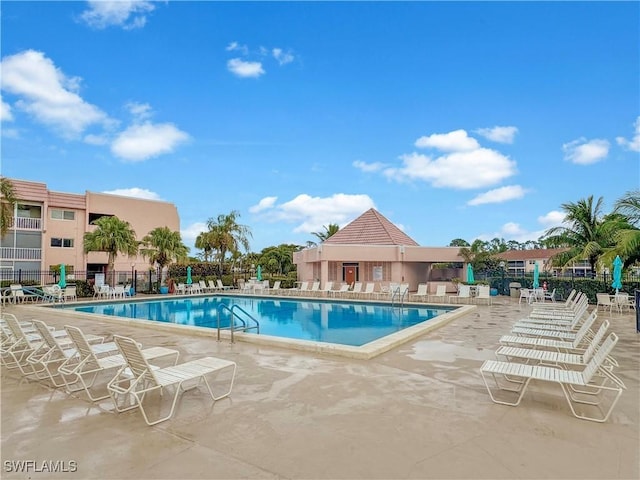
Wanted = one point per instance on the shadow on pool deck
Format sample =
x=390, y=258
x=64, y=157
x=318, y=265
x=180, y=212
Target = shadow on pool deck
x=418, y=411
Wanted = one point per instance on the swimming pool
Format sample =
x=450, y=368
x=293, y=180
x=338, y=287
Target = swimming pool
x=342, y=323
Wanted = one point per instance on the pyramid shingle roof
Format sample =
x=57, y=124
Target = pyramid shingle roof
x=371, y=228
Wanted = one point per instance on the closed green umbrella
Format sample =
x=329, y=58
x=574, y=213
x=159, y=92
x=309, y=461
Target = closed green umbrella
x=536, y=276
x=470, y=279
x=617, y=273
x=189, y=280
x=63, y=277
x=259, y=273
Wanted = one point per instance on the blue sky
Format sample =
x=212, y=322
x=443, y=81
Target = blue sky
x=454, y=120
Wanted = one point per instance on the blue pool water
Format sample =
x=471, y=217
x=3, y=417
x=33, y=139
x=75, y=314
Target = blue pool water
x=344, y=323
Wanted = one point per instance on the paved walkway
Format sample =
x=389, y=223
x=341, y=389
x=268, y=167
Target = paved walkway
x=418, y=411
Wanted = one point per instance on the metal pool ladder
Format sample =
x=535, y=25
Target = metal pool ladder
x=246, y=321
x=398, y=295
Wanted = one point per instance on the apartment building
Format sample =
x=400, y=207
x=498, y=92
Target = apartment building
x=48, y=229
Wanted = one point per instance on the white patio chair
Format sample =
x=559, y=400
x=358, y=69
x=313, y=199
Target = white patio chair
x=464, y=293
x=139, y=379
x=69, y=294
x=85, y=366
x=421, y=293
x=57, y=350
x=328, y=288
x=440, y=293
x=483, y=294
x=342, y=291
x=525, y=293
x=604, y=301
x=520, y=375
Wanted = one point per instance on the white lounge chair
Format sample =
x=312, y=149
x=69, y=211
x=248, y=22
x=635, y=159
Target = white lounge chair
x=368, y=291
x=440, y=293
x=20, y=343
x=343, y=290
x=356, y=290
x=483, y=293
x=421, y=293
x=138, y=379
x=573, y=357
x=276, y=287
x=54, y=352
x=520, y=375
x=315, y=288
x=86, y=365
x=328, y=288
x=464, y=293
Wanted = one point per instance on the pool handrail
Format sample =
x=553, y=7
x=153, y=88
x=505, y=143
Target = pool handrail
x=234, y=315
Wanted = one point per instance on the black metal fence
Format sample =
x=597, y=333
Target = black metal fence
x=141, y=281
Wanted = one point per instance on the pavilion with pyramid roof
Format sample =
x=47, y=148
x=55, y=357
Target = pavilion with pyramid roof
x=371, y=249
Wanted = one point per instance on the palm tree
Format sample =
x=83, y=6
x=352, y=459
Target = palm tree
x=628, y=239
x=204, y=243
x=113, y=236
x=163, y=246
x=227, y=235
x=7, y=204
x=587, y=234
x=329, y=230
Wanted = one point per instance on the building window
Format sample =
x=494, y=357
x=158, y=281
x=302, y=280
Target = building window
x=62, y=242
x=58, y=214
x=95, y=216
x=28, y=211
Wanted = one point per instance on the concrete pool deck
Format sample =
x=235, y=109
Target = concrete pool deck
x=419, y=410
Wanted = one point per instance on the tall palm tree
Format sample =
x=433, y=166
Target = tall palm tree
x=113, y=236
x=163, y=246
x=227, y=235
x=204, y=243
x=587, y=233
x=7, y=204
x=628, y=239
x=329, y=230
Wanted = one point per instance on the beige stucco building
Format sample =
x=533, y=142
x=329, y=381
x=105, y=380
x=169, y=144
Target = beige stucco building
x=372, y=249
x=48, y=228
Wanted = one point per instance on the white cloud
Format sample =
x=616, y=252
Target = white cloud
x=499, y=195
x=139, y=111
x=128, y=14
x=264, y=204
x=190, y=233
x=135, y=192
x=244, y=69
x=310, y=214
x=465, y=170
x=456, y=141
x=554, y=218
x=98, y=140
x=5, y=112
x=583, y=152
x=47, y=94
x=498, y=134
x=512, y=231
x=282, y=57
x=634, y=143
x=142, y=141
x=368, y=167
x=236, y=47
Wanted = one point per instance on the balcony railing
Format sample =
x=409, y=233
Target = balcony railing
x=10, y=253
x=25, y=223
